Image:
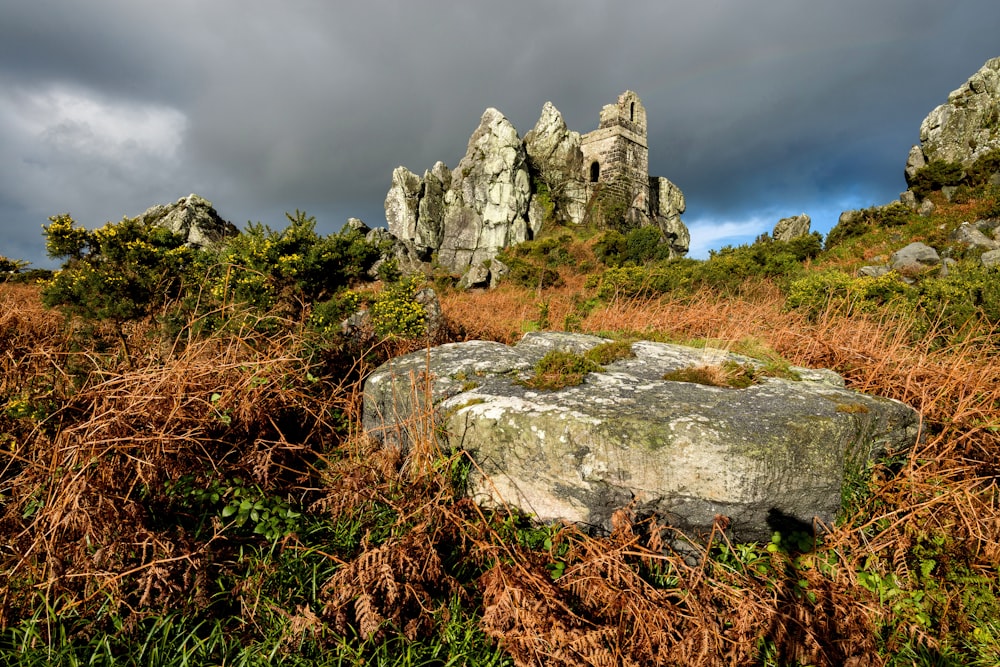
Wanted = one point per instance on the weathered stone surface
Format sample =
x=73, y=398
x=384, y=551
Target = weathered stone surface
x=686, y=452
x=555, y=157
x=914, y=258
x=791, y=228
x=990, y=259
x=357, y=225
x=666, y=206
x=478, y=275
x=873, y=271
x=487, y=205
x=193, y=218
x=431, y=209
x=402, y=203
x=971, y=234
x=966, y=126
x=409, y=259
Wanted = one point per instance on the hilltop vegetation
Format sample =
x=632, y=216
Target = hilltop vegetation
x=184, y=480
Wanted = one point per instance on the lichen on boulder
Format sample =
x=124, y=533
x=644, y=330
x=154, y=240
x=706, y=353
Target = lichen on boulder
x=686, y=452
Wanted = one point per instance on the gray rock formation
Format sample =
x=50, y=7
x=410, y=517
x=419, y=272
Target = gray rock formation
x=914, y=259
x=402, y=203
x=505, y=190
x=667, y=204
x=974, y=234
x=556, y=160
x=193, y=218
x=686, y=452
x=486, y=208
x=791, y=228
x=874, y=271
x=990, y=259
x=966, y=126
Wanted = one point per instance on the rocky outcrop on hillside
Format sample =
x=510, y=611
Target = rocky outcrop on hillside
x=194, y=218
x=467, y=215
x=790, y=228
x=965, y=127
x=667, y=204
x=762, y=457
x=503, y=191
x=554, y=153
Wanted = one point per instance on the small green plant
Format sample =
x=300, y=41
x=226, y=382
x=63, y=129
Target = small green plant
x=608, y=353
x=559, y=369
x=234, y=502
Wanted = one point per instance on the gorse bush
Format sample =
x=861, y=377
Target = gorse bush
x=121, y=271
x=261, y=266
x=396, y=311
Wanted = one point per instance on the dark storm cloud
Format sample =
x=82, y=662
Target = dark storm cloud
x=756, y=110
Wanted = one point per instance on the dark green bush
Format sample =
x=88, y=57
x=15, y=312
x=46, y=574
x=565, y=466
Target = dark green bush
x=986, y=166
x=639, y=246
x=935, y=175
x=122, y=271
x=260, y=266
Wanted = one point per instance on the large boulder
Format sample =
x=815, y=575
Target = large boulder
x=193, y=218
x=914, y=259
x=966, y=126
x=791, y=228
x=772, y=454
x=487, y=205
x=403, y=202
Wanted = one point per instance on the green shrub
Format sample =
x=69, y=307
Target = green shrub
x=986, y=166
x=815, y=292
x=608, y=353
x=326, y=316
x=858, y=223
x=935, y=175
x=639, y=246
x=533, y=264
x=121, y=271
x=261, y=266
x=10, y=267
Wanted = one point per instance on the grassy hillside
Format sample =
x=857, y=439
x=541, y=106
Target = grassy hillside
x=186, y=482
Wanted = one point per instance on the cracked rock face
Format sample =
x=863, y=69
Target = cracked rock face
x=773, y=453
x=193, y=218
x=966, y=126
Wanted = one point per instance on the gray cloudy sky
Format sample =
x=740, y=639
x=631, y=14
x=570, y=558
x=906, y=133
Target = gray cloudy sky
x=757, y=110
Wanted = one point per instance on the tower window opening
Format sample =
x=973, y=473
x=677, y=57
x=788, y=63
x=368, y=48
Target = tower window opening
x=631, y=112
x=595, y=171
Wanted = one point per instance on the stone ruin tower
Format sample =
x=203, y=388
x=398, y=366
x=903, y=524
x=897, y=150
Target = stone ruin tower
x=616, y=154
x=462, y=218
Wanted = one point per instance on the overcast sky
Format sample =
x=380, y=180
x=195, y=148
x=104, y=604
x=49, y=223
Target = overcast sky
x=756, y=110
